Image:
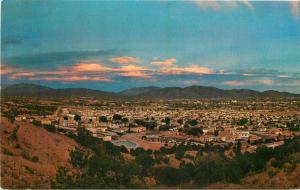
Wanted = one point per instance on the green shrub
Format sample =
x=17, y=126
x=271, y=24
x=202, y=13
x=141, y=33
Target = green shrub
x=7, y=152
x=18, y=146
x=50, y=128
x=29, y=170
x=25, y=155
x=35, y=159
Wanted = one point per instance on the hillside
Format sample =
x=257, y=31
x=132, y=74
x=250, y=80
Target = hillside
x=275, y=179
x=31, y=155
x=138, y=91
x=209, y=92
x=32, y=90
x=191, y=92
x=30, y=159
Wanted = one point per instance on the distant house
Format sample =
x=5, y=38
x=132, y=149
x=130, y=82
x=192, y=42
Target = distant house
x=242, y=134
x=207, y=138
x=20, y=118
x=274, y=144
x=152, y=137
x=138, y=129
x=120, y=131
x=106, y=136
x=103, y=136
x=46, y=121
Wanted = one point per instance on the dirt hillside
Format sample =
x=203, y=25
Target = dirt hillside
x=30, y=155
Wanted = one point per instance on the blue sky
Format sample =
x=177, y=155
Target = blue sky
x=114, y=45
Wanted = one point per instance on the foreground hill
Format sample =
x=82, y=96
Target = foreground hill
x=30, y=155
x=191, y=92
x=273, y=179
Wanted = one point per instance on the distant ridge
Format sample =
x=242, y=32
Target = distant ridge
x=152, y=92
x=32, y=90
x=138, y=91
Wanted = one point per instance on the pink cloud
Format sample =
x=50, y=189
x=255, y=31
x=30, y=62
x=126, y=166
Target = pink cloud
x=235, y=83
x=295, y=8
x=83, y=72
x=193, y=69
x=247, y=83
x=138, y=74
x=166, y=63
x=131, y=68
x=248, y=4
x=90, y=67
x=133, y=71
x=72, y=78
x=218, y=5
x=40, y=73
x=124, y=60
x=5, y=69
x=265, y=81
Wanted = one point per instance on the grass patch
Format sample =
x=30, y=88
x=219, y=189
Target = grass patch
x=29, y=170
x=7, y=152
x=35, y=159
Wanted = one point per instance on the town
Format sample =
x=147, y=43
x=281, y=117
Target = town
x=164, y=123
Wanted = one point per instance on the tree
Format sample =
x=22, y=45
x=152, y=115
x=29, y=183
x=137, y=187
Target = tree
x=151, y=125
x=62, y=180
x=167, y=120
x=187, y=172
x=191, y=122
x=168, y=175
x=164, y=127
x=125, y=120
x=117, y=117
x=78, y=157
x=50, y=128
x=292, y=126
x=13, y=136
x=84, y=137
x=210, y=168
x=180, y=121
x=195, y=131
x=243, y=121
x=77, y=118
x=179, y=153
x=145, y=160
x=103, y=119
x=216, y=132
x=36, y=123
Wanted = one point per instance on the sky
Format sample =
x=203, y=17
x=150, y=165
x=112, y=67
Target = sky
x=116, y=45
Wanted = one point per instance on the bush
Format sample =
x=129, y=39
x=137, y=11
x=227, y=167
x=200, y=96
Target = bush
x=78, y=158
x=168, y=176
x=36, y=123
x=242, y=121
x=18, y=146
x=25, y=155
x=13, y=136
x=29, y=170
x=50, y=128
x=7, y=152
x=103, y=119
x=195, y=131
x=35, y=159
x=146, y=161
x=192, y=122
x=179, y=154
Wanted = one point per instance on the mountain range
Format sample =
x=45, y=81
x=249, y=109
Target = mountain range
x=152, y=92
